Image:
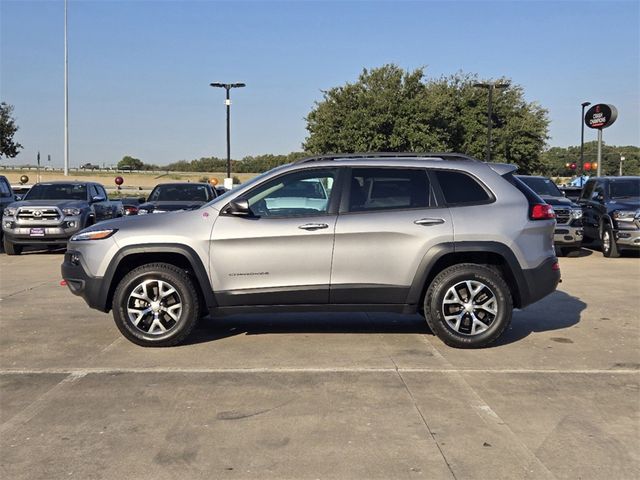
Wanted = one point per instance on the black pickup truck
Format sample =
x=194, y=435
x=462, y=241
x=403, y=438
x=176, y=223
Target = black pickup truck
x=50, y=213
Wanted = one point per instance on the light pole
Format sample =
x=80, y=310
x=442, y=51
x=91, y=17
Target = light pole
x=66, y=96
x=584, y=105
x=227, y=102
x=621, y=160
x=490, y=87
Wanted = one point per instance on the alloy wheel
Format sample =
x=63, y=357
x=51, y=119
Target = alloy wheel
x=469, y=307
x=154, y=307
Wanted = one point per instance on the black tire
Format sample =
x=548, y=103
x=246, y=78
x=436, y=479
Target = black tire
x=185, y=294
x=609, y=246
x=494, y=285
x=11, y=248
x=561, y=252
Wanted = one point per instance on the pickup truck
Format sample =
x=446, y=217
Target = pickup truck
x=50, y=213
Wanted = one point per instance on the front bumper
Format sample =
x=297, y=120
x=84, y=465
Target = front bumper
x=21, y=233
x=628, y=239
x=91, y=289
x=568, y=236
x=540, y=281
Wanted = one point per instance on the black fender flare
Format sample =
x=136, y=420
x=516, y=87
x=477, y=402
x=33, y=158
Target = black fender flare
x=435, y=253
x=184, y=250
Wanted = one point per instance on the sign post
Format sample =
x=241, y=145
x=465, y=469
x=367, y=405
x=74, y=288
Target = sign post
x=600, y=116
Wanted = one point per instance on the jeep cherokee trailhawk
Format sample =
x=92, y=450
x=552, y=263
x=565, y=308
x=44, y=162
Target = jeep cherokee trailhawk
x=458, y=240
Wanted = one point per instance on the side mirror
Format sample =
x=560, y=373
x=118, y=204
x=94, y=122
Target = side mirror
x=97, y=198
x=18, y=197
x=239, y=207
x=599, y=198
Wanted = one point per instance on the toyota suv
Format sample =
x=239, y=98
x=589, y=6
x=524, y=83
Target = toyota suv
x=457, y=240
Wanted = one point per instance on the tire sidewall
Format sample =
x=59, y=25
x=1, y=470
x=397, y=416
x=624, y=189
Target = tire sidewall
x=450, y=278
x=185, y=290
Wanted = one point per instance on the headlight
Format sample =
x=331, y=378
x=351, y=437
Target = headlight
x=626, y=215
x=71, y=211
x=93, y=235
x=10, y=212
x=576, y=213
x=142, y=211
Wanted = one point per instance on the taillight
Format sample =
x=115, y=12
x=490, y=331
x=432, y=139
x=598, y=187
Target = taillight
x=541, y=211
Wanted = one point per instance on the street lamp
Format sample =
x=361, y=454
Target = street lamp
x=490, y=87
x=621, y=160
x=584, y=105
x=227, y=87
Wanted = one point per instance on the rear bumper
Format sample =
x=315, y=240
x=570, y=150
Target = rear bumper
x=540, y=281
x=91, y=289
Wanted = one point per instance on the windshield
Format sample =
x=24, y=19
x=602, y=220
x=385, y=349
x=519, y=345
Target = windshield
x=624, y=188
x=542, y=186
x=180, y=193
x=57, y=191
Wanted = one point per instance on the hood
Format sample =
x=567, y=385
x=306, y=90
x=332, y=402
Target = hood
x=624, y=203
x=558, y=201
x=51, y=203
x=169, y=206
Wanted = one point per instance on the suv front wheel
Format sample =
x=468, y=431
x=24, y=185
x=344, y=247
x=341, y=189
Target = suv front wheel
x=468, y=305
x=609, y=246
x=156, y=305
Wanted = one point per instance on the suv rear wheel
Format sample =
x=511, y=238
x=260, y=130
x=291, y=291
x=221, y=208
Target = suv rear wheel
x=156, y=305
x=468, y=305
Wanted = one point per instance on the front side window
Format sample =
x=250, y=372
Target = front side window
x=461, y=189
x=388, y=188
x=5, y=190
x=295, y=194
x=587, y=190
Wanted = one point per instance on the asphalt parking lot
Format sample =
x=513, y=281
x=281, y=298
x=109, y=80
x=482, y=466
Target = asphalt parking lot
x=322, y=396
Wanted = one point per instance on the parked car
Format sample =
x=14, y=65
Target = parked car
x=572, y=193
x=169, y=197
x=20, y=190
x=50, y=213
x=458, y=240
x=6, y=197
x=611, y=213
x=130, y=205
x=90, y=166
x=568, y=234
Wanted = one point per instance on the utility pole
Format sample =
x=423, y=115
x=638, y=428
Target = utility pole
x=584, y=105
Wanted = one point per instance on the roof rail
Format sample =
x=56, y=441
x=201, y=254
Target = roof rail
x=381, y=155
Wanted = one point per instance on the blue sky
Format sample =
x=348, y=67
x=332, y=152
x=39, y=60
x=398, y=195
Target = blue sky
x=139, y=70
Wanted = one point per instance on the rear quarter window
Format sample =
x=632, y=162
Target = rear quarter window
x=461, y=189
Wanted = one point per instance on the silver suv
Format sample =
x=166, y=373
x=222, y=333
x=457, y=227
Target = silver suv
x=459, y=241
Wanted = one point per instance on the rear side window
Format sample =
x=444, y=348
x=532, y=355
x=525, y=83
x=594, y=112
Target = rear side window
x=388, y=188
x=461, y=189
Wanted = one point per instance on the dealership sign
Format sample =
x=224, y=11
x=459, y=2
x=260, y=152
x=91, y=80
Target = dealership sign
x=601, y=116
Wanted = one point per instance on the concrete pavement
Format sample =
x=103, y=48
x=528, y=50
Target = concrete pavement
x=322, y=396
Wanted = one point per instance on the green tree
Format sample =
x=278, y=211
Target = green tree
x=390, y=109
x=130, y=163
x=8, y=147
x=556, y=158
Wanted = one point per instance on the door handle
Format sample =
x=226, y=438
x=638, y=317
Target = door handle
x=426, y=222
x=313, y=226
